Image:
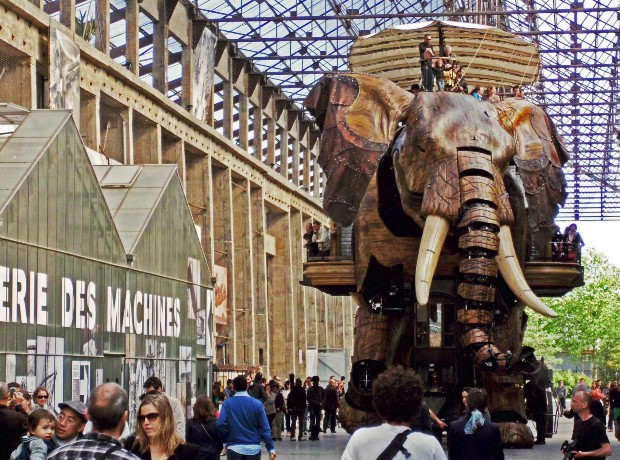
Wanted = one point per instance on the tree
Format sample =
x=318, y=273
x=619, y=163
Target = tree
x=588, y=318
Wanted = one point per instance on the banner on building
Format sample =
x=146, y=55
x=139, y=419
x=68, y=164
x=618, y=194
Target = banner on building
x=204, y=63
x=64, y=73
x=220, y=288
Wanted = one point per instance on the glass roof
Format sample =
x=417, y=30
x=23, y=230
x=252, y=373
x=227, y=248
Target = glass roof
x=132, y=193
x=294, y=43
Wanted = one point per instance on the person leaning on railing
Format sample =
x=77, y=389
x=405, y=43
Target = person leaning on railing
x=321, y=238
x=572, y=243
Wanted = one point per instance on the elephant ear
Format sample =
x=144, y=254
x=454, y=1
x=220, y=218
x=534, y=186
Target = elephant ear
x=540, y=155
x=358, y=116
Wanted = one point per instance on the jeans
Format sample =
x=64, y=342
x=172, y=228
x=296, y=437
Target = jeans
x=428, y=77
x=330, y=418
x=297, y=417
x=232, y=455
x=315, y=421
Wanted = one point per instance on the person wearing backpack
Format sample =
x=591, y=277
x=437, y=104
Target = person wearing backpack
x=37, y=444
x=397, y=397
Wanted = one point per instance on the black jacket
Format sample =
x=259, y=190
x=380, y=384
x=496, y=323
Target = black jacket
x=205, y=436
x=296, y=400
x=315, y=396
x=257, y=391
x=330, y=402
x=12, y=426
x=484, y=444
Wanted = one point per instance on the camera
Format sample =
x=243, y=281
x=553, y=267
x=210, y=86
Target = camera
x=567, y=449
x=12, y=391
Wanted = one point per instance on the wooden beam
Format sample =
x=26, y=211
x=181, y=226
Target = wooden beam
x=160, y=49
x=102, y=26
x=198, y=27
x=238, y=64
x=67, y=14
x=132, y=31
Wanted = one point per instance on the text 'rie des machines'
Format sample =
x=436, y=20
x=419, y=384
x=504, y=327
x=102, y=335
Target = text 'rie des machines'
x=24, y=300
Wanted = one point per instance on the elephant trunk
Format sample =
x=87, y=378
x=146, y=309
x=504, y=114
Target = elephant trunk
x=486, y=246
x=478, y=229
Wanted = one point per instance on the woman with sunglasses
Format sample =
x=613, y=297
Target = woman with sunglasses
x=41, y=400
x=155, y=437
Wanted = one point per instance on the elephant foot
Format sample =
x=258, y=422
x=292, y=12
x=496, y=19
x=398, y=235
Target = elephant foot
x=516, y=435
x=351, y=419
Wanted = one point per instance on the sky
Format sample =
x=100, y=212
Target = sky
x=600, y=235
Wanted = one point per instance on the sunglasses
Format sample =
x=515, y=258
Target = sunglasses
x=150, y=417
x=42, y=397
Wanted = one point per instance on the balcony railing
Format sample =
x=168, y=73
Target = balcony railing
x=339, y=246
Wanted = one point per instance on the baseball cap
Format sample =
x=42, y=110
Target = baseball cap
x=76, y=406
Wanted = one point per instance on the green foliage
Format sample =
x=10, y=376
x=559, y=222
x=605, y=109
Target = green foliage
x=588, y=319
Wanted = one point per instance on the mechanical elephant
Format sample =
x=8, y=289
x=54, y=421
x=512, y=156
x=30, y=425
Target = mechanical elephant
x=436, y=182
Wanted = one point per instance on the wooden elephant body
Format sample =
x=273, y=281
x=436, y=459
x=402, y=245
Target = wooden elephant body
x=436, y=186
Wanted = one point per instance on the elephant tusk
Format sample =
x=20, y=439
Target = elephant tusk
x=511, y=271
x=433, y=237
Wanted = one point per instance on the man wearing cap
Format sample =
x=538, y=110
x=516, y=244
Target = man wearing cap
x=153, y=385
x=70, y=423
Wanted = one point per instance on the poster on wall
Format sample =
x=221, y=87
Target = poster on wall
x=50, y=367
x=64, y=73
x=185, y=364
x=204, y=63
x=209, y=337
x=80, y=381
x=220, y=288
x=195, y=309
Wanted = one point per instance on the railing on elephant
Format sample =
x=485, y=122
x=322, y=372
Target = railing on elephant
x=558, y=251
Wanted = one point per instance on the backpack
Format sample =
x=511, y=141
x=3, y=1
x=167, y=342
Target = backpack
x=25, y=452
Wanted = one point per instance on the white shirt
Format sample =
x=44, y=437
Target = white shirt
x=368, y=443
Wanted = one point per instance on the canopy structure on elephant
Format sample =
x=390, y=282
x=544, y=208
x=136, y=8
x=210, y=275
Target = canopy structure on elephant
x=488, y=56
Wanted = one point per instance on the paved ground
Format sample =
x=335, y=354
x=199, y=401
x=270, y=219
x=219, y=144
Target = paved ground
x=331, y=446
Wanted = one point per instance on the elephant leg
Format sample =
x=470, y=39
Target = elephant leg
x=377, y=338
x=506, y=404
x=372, y=338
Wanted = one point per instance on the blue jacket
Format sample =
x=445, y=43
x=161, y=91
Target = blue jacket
x=243, y=420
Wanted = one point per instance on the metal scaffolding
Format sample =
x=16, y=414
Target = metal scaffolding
x=293, y=43
x=579, y=42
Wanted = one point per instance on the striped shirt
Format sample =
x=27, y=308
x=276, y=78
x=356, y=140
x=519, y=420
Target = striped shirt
x=92, y=446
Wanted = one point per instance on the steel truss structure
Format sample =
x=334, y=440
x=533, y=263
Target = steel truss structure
x=294, y=43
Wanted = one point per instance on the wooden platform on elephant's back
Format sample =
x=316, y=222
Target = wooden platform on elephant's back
x=547, y=279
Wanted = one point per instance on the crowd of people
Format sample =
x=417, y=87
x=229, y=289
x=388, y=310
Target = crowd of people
x=248, y=412
x=100, y=429
x=443, y=72
x=251, y=411
x=294, y=408
x=566, y=247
